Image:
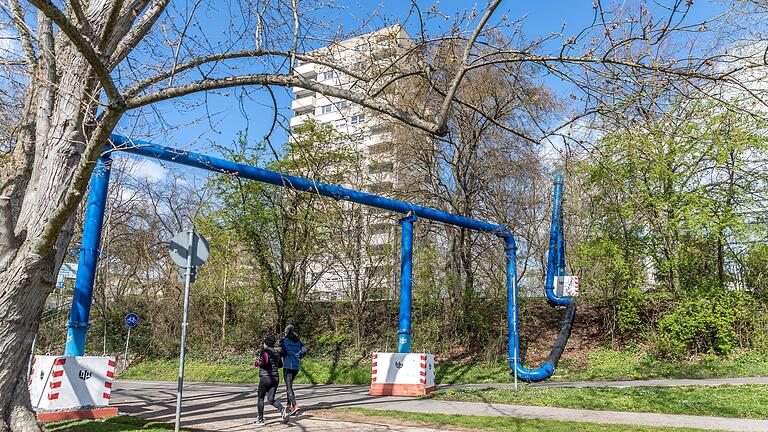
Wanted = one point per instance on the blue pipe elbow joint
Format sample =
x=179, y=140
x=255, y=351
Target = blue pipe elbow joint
x=541, y=373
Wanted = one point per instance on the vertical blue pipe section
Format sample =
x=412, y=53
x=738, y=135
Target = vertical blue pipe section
x=406, y=279
x=515, y=363
x=89, y=257
x=555, y=257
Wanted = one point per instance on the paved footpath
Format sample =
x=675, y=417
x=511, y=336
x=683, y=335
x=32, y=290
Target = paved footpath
x=232, y=407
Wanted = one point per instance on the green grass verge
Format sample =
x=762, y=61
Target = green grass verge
x=743, y=401
x=603, y=364
x=115, y=424
x=313, y=372
x=511, y=424
x=609, y=364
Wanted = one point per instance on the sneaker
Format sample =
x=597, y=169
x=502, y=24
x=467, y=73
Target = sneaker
x=285, y=415
x=259, y=422
x=294, y=409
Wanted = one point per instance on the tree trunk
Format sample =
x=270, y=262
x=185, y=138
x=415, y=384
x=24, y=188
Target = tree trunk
x=22, y=298
x=60, y=118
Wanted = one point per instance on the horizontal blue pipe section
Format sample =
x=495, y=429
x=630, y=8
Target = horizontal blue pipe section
x=210, y=163
x=77, y=328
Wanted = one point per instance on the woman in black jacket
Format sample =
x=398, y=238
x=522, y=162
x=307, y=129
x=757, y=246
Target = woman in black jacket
x=269, y=364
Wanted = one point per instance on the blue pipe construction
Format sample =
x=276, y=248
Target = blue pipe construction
x=555, y=265
x=406, y=281
x=77, y=328
x=95, y=215
x=556, y=255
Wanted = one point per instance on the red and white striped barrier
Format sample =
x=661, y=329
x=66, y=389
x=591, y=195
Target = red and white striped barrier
x=402, y=374
x=70, y=382
x=569, y=285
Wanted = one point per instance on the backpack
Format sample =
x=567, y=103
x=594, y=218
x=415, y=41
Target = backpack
x=275, y=361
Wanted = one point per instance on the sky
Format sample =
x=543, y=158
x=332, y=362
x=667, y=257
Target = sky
x=229, y=116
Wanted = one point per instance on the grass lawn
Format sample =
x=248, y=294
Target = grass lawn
x=748, y=401
x=603, y=364
x=115, y=424
x=609, y=364
x=506, y=424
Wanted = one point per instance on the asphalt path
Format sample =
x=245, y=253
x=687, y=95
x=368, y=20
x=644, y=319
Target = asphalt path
x=232, y=407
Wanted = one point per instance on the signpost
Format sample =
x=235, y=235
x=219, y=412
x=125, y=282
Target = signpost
x=131, y=320
x=188, y=250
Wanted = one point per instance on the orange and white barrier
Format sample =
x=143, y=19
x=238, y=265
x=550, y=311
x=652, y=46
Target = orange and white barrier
x=402, y=374
x=70, y=382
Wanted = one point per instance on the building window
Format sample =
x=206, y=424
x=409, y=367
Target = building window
x=381, y=187
x=380, y=168
x=377, y=249
x=380, y=148
x=357, y=119
x=340, y=105
x=381, y=229
x=325, y=109
x=326, y=75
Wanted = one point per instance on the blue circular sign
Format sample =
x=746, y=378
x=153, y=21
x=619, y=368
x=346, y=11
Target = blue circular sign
x=131, y=320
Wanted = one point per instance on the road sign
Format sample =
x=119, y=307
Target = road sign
x=179, y=248
x=189, y=250
x=131, y=320
x=183, y=275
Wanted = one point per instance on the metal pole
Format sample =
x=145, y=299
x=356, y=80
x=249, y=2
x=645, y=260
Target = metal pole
x=406, y=281
x=89, y=258
x=125, y=355
x=31, y=357
x=187, y=282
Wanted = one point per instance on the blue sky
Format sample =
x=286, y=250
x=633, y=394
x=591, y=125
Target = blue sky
x=229, y=115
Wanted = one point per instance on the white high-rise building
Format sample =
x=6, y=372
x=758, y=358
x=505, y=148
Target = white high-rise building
x=374, y=55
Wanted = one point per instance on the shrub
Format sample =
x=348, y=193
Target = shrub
x=715, y=324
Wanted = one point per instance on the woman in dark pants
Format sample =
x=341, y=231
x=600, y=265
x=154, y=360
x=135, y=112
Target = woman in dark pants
x=269, y=363
x=292, y=351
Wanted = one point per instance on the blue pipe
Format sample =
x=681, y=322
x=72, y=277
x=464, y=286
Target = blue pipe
x=77, y=328
x=515, y=362
x=406, y=280
x=556, y=255
x=210, y=163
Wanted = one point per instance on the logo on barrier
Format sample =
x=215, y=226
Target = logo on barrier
x=84, y=374
x=399, y=365
x=42, y=375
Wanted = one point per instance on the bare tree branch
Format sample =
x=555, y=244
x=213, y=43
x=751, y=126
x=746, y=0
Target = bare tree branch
x=138, y=31
x=77, y=8
x=295, y=35
x=83, y=46
x=285, y=81
x=442, y=119
x=181, y=41
x=7, y=239
x=109, y=27
x=74, y=194
x=24, y=34
x=141, y=85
